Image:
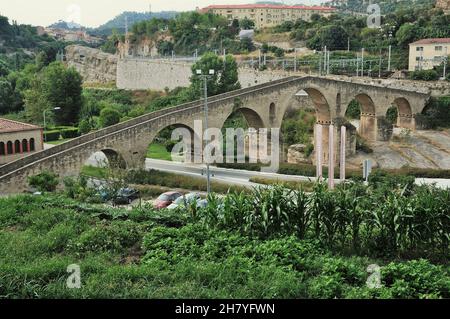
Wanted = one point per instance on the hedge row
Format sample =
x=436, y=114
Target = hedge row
x=310, y=171
x=55, y=135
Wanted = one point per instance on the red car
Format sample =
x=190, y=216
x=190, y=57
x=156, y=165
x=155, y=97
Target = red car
x=166, y=199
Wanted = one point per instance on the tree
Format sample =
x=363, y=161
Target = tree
x=165, y=47
x=109, y=116
x=10, y=100
x=4, y=69
x=406, y=34
x=332, y=36
x=62, y=88
x=54, y=87
x=246, y=24
x=246, y=45
x=225, y=78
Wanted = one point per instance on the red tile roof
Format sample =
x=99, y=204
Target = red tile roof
x=7, y=126
x=432, y=41
x=266, y=6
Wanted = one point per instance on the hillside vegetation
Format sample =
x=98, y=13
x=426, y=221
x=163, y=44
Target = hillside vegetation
x=267, y=244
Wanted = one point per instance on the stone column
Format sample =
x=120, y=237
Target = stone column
x=406, y=121
x=368, y=126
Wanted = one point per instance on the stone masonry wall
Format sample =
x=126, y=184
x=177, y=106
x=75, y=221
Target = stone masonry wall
x=142, y=74
x=94, y=65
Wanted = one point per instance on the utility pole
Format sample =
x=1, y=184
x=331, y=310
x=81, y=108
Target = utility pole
x=379, y=67
x=295, y=60
x=320, y=64
x=389, y=58
x=328, y=63
x=362, y=62
x=348, y=44
x=445, y=63
x=325, y=61
x=205, y=78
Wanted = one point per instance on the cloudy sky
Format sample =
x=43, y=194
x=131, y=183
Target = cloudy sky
x=93, y=13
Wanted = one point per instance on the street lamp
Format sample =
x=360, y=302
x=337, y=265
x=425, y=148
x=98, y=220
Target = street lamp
x=205, y=78
x=45, y=125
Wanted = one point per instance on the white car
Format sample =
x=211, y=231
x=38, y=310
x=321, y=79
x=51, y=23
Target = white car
x=185, y=200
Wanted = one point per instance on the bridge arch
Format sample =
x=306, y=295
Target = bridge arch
x=405, y=118
x=106, y=157
x=160, y=144
x=321, y=105
x=367, y=118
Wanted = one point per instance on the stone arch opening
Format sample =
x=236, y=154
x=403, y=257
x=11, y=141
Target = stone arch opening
x=161, y=146
x=405, y=117
x=32, y=145
x=9, y=148
x=322, y=107
x=243, y=120
x=17, y=145
x=107, y=157
x=25, y=146
x=361, y=114
x=2, y=149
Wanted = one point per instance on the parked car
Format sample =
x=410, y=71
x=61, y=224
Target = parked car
x=166, y=199
x=185, y=200
x=126, y=196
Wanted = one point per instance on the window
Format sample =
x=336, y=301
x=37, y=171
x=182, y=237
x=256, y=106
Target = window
x=25, y=146
x=419, y=48
x=9, y=148
x=17, y=147
x=2, y=148
x=32, y=146
x=438, y=48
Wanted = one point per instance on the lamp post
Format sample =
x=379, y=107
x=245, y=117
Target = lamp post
x=45, y=125
x=205, y=78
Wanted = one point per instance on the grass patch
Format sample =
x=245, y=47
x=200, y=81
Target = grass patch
x=146, y=254
x=158, y=151
x=165, y=180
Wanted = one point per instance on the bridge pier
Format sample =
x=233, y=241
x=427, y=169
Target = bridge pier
x=368, y=126
x=407, y=121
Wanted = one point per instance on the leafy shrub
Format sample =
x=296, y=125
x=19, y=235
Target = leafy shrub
x=107, y=237
x=70, y=133
x=108, y=117
x=425, y=75
x=51, y=136
x=84, y=127
x=44, y=182
x=416, y=279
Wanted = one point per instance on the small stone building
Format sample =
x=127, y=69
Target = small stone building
x=19, y=140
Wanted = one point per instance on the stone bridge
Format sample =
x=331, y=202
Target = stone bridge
x=263, y=105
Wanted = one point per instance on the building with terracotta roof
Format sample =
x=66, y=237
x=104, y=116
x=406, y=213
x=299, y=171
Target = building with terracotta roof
x=428, y=53
x=267, y=15
x=18, y=140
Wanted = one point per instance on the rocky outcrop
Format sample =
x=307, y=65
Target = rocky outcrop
x=95, y=66
x=296, y=154
x=444, y=5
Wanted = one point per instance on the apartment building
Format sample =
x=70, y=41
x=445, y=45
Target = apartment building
x=428, y=53
x=267, y=15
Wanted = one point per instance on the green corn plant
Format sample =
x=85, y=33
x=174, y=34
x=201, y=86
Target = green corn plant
x=299, y=212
